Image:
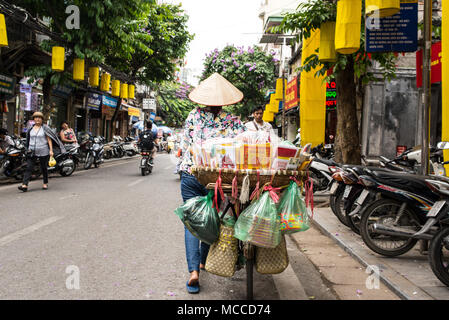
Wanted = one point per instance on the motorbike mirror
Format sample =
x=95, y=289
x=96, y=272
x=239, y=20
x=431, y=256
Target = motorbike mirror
x=444, y=145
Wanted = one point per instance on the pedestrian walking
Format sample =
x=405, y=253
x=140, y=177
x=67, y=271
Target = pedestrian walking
x=41, y=141
x=204, y=123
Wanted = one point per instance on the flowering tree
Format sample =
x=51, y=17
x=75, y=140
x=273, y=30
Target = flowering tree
x=174, y=102
x=252, y=71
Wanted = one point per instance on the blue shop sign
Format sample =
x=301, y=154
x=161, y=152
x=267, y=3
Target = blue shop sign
x=398, y=33
x=110, y=102
x=94, y=101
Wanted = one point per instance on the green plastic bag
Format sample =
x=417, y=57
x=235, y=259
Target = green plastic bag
x=200, y=218
x=259, y=223
x=292, y=210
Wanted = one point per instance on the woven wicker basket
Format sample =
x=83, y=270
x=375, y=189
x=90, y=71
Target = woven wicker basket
x=206, y=175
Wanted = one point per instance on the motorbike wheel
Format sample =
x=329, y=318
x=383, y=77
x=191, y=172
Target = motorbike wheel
x=88, y=162
x=385, y=211
x=144, y=171
x=69, y=173
x=340, y=208
x=354, y=221
x=439, y=255
x=333, y=197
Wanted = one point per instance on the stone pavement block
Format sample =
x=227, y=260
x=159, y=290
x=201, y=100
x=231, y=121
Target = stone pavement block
x=350, y=292
x=405, y=275
x=344, y=275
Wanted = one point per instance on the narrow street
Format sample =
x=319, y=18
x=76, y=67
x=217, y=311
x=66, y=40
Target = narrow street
x=118, y=228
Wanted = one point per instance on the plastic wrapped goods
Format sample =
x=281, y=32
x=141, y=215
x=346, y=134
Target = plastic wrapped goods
x=200, y=218
x=292, y=210
x=259, y=223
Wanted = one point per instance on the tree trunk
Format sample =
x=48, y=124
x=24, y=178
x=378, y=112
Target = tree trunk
x=347, y=137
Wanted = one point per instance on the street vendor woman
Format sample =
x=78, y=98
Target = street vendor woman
x=205, y=123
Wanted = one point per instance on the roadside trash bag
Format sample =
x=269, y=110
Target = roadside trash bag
x=200, y=218
x=259, y=223
x=292, y=210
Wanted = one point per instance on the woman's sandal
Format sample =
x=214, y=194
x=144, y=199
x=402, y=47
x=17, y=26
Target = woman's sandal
x=23, y=189
x=195, y=288
x=45, y=188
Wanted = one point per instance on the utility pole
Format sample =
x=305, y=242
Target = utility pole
x=426, y=95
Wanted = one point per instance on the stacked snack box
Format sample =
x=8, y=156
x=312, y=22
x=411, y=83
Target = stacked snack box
x=250, y=150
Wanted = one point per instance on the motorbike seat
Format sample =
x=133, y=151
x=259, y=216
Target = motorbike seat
x=407, y=182
x=327, y=162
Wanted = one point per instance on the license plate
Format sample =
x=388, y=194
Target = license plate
x=436, y=208
x=362, y=197
x=347, y=191
x=334, y=187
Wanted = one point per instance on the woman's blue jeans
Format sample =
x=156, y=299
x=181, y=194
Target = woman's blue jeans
x=196, y=250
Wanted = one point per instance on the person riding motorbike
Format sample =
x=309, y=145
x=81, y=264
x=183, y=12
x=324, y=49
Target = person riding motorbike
x=148, y=144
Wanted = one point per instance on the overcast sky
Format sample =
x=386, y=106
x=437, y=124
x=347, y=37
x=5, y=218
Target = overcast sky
x=217, y=23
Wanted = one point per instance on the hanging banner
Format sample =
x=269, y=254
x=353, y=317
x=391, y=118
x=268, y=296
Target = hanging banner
x=291, y=94
x=435, y=72
x=397, y=33
x=313, y=97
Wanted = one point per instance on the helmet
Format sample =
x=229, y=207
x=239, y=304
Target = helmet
x=52, y=162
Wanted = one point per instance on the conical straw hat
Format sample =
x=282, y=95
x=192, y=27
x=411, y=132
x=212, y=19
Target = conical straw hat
x=216, y=91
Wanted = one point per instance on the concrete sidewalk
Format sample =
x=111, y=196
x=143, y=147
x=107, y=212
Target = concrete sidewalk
x=409, y=276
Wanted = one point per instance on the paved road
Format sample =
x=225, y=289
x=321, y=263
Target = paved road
x=119, y=230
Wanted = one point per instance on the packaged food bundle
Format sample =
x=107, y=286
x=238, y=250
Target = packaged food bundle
x=254, y=156
x=226, y=155
x=292, y=210
x=259, y=223
x=200, y=218
x=284, y=151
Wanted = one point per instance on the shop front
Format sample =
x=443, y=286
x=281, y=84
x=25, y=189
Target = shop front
x=108, y=105
x=94, y=112
x=59, y=101
x=7, y=102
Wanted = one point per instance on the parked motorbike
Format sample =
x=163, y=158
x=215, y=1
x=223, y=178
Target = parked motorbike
x=95, y=154
x=130, y=147
x=14, y=164
x=65, y=163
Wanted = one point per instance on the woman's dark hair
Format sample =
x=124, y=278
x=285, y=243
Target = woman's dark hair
x=258, y=108
x=63, y=123
x=149, y=124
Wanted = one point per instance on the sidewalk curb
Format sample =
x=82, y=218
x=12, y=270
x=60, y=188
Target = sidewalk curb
x=389, y=277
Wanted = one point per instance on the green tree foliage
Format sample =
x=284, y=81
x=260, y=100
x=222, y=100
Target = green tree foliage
x=104, y=24
x=352, y=72
x=251, y=71
x=168, y=40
